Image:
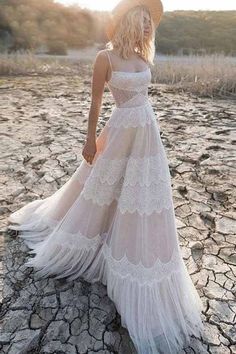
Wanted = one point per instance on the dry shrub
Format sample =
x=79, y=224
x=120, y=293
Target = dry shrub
x=29, y=64
x=210, y=75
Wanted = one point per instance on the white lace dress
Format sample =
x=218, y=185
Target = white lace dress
x=114, y=222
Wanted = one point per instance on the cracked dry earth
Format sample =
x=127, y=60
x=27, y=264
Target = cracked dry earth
x=43, y=125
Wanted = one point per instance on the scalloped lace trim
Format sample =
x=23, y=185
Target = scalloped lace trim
x=143, y=199
x=132, y=116
x=142, y=170
x=81, y=241
x=47, y=226
x=139, y=272
x=126, y=81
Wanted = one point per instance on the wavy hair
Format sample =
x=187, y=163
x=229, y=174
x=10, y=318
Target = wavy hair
x=129, y=37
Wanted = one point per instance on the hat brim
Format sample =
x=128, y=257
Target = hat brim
x=155, y=8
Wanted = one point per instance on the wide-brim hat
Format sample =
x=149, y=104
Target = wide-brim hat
x=155, y=8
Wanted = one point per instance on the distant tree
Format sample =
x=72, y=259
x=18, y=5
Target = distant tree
x=57, y=48
x=199, y=31
x=33, y=23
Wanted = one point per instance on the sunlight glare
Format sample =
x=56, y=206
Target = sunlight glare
x=169, y=5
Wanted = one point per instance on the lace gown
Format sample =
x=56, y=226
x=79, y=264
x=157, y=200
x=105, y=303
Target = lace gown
x=114, y=222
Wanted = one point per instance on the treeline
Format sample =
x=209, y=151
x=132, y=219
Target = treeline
x=196, y=32
x=33, y=24
x=30, y=24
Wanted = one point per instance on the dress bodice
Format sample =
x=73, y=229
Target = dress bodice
x=129, y=89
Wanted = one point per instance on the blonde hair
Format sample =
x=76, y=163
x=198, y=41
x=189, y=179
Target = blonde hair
x=128, y=36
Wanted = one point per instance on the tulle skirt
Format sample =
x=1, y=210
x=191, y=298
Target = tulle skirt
x=114, y=222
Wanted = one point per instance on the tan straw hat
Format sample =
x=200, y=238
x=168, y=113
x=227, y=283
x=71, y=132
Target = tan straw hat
x=155, y=8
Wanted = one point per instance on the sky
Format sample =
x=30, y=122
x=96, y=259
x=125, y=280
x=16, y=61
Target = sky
x=169, y=5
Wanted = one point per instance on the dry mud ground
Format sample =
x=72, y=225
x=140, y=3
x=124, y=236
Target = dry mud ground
x=43, y=125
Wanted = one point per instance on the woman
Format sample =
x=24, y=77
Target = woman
x=113, y=221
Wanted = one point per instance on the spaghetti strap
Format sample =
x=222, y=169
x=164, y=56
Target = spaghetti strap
x=109, y=58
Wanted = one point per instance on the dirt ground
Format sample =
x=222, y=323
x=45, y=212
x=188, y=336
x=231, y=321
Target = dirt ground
x=43, y=126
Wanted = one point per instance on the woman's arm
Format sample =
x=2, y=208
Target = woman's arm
x=100, y=70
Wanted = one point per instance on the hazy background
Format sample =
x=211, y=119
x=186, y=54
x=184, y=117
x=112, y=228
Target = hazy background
x=53, y=28
x=169, y=5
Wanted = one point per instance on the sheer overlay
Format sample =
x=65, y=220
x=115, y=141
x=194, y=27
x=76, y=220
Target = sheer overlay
x=114, y=222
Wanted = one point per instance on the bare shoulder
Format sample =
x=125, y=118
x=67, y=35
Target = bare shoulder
x=100, y=67
x=102, y=52
x=101, y=58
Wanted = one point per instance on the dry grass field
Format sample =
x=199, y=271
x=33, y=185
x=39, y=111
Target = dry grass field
x=209, y=75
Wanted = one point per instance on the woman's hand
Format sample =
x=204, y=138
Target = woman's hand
x=89, y=150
